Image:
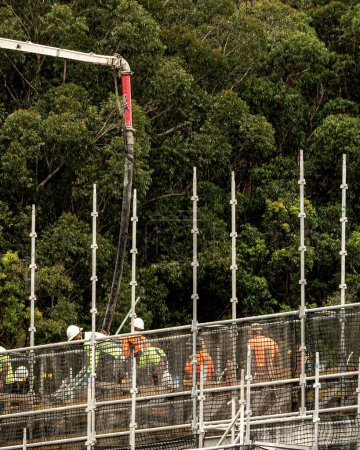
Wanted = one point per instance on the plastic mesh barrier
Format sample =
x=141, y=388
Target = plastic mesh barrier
x=146, y=382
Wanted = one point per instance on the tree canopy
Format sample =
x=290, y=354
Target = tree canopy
x=223, y=85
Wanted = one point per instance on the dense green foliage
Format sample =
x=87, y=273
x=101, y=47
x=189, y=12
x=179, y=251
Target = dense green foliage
x=219, y=85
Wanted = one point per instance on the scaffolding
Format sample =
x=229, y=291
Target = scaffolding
x=59, y=408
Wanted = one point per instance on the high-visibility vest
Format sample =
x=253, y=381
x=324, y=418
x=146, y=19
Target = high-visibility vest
x=137, y=342
x=150, y=356
x=203, y=359
x=108, y=347
x=5, y=360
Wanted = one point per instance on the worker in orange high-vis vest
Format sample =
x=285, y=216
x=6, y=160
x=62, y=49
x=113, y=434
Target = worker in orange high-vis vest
x=203, y=360
x=266, y=357
x=136, y=342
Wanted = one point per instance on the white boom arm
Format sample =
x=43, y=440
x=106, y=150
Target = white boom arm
x=92, y=58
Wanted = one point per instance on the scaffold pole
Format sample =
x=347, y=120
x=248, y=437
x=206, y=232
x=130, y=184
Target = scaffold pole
x=234, y=299
x=233, y=234
x=32, y=299
x=133, y=251
x=343, y=220
x=316, y=418
x=24, y=439
x=242, y=407
x=302, y=283
x=133, y=392
x=91, y=383
x=195, y=298
x=342, y=286
x=201, y=408
x=248, y=380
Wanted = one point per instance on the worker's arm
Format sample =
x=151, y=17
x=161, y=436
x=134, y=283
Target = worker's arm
x=126, y=348
x=188, y=369
x=210, y=368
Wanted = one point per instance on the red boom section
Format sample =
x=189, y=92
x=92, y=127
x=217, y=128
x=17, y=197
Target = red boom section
x=126, y=92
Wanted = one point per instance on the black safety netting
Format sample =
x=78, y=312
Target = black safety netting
x=290, y=433
x=177, y=440
x=339, y=431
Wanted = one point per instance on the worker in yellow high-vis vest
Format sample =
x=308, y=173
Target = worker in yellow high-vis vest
x=7, y=379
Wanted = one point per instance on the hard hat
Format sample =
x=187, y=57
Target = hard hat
x=256, y=326
x=2, y=349
x=72, y=331
x=138, y=323
x=21, y=373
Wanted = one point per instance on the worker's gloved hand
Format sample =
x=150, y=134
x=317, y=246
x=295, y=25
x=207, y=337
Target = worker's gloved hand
x=105, y=332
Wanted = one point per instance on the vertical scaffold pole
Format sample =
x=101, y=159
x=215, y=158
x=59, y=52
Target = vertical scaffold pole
x=133, y=251
x=342, y=286
x=133, y=392
x=195, y=298
x=24, y=439
x=302, y=282
x=343, y=221
x=242, y=407
x=233, y=235
x=248, y=379
x=234, y=300
x=316, y=418
x=32, y=299
x=201, y=409
x=91, y=438
x=133, y=284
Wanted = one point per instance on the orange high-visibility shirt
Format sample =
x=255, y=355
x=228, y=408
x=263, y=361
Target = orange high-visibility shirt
x=262, y=345
x=203, y=359
x=138, y=342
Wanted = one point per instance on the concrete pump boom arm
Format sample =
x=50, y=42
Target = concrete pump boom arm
x=121, y=64
x=29, y=47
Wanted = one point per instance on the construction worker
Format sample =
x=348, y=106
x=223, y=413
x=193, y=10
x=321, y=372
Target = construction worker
x=72, y=387
x=137, y=342
x=7, y=380
x=266, y=356
x=151, y=362
x=266, y=366
x=75, y=333
x=203, y=360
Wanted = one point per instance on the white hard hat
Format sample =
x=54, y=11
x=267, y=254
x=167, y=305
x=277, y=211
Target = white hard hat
x=21, y=373
x=138, y=323
x=72, y=331
x=2, y=349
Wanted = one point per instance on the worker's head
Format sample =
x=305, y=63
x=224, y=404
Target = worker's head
x=74, y=333
x=138, y=324
x=255, y=328
x=200, y=343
